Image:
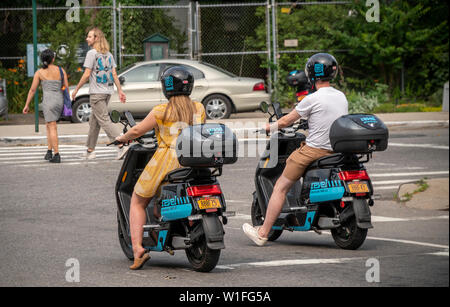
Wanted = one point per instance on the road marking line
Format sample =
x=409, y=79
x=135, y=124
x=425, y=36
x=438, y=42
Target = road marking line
x=393, y=187
x=408, y=174
x=410, y=242
x=62, y=154
x=287, y=262
x=394, y=181
x=445, y=253
x=64, y=161
x=433, y=146
x=375, y=218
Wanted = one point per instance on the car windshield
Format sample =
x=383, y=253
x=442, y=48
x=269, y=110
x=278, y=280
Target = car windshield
x=229, y=74
x=122, y=70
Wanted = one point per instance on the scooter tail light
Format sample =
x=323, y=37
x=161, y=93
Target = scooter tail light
x=353, y=175
x=202, y=190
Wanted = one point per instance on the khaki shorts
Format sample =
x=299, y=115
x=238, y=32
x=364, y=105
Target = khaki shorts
x=300, y=159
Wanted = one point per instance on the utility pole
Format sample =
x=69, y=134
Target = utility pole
x=35, y=59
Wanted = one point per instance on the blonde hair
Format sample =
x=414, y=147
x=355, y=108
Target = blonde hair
x=180, y=109
x=100, y=44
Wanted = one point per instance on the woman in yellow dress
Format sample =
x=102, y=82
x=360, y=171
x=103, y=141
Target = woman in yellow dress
x=168, y=120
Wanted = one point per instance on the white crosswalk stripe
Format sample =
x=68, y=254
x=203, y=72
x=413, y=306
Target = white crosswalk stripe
x=70, y=154
x=386, y=181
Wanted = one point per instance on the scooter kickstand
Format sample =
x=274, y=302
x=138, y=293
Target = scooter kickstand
x=319, y=232
x=169, y=250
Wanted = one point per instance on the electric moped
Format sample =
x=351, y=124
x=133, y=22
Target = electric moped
x=335, y=192
x=190, y=210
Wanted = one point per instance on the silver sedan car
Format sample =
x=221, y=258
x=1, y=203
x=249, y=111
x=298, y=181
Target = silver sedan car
x=220, y=91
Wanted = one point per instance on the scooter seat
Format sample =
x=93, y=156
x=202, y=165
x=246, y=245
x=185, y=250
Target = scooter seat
x=185, y=173
x=326, y=161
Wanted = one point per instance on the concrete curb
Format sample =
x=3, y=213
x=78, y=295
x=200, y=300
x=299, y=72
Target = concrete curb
x=81, y=138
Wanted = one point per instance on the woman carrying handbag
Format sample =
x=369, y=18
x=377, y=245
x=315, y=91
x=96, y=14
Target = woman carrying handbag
x=52, y=101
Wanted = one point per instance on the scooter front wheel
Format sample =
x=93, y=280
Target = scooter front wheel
x=258, y=220
x=201, y=257
x=127, y=250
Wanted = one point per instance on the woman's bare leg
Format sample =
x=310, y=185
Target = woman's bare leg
x=53, y=136
x=49, y=140
x=137, y=221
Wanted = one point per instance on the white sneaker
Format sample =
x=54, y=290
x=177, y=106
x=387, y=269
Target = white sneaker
x=89, y=155
x=252, y=233
x=121, y=152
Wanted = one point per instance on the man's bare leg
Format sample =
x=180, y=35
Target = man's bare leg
x=276, y=202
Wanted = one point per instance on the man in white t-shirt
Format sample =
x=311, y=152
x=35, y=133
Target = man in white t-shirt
x=321, y=109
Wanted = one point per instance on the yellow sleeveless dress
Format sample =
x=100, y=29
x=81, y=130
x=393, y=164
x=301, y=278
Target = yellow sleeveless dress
x=165, y=158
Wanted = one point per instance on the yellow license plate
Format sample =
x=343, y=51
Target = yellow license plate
x=358, y=188
x=208, y=203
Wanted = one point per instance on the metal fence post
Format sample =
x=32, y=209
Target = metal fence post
x=275, y=43
x=114, y=29
x=120, y=35
x=191, y=55
x=269, y=58
x=36, y=99
x=197, y=29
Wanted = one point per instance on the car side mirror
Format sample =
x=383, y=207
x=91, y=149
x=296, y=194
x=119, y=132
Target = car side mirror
x=115, y=116
x=122, y=80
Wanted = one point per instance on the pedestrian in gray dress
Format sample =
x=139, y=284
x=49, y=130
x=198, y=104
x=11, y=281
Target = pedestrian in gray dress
x=52, y=101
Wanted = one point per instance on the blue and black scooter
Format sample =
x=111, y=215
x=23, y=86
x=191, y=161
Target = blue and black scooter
x=190, y=210
x=335, y=192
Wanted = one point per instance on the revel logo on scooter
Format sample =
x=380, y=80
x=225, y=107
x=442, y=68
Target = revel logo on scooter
x=326, y=190
x=175, y=208
x=175, y=201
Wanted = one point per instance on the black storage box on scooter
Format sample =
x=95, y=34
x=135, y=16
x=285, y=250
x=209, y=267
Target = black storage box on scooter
x=207, y=145
x=358, y=134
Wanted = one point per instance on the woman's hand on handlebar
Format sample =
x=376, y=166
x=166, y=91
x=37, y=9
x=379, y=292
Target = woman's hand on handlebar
x=120, y=140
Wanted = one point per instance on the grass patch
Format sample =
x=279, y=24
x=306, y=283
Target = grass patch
x=422, y=186
x=405, y=107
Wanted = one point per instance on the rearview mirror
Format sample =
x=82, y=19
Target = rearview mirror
x=264, y=107
x=115, y=116
x=122, y=79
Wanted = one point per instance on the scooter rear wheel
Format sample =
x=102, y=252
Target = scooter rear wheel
x=258, y=220
x=201, y=257
x=349, y=236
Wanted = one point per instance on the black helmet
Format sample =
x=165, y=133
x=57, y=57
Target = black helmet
x=177, y=80
x=321, y=66
x=299, y=79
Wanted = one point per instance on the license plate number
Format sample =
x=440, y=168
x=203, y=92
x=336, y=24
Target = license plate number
x=208, y=203
x=358, y=188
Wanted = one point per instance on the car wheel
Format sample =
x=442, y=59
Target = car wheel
x=217, y=107
x=81, y=110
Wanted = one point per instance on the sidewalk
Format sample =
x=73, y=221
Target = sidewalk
x=20, y=128
x=434, y=196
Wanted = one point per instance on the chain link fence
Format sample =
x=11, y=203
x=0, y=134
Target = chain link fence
x=228, y=39
x=137, y=23
x=241, y=38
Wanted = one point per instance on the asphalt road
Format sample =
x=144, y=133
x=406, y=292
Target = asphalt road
x=54, y=217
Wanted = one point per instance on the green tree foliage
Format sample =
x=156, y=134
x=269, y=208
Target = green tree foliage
x=138, y=24
x=410, y=34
